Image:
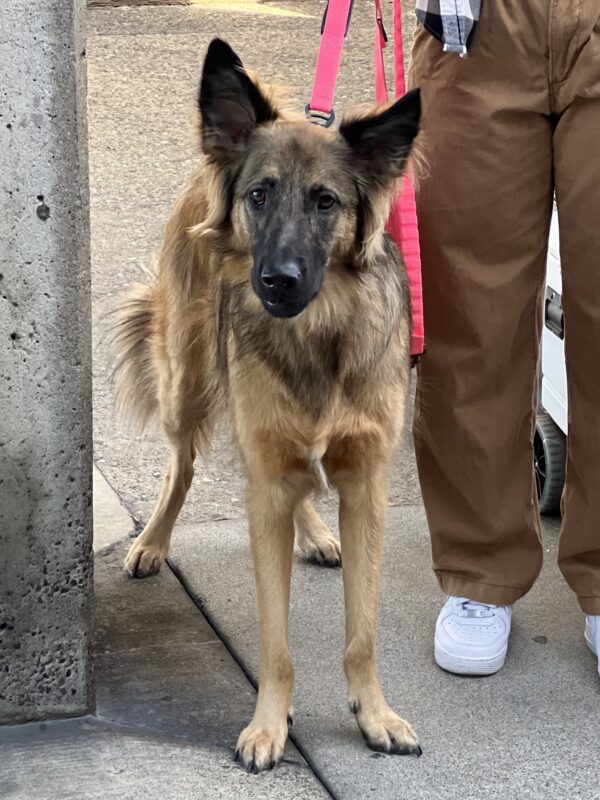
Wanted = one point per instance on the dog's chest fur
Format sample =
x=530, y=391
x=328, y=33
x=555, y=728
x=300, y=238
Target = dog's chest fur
x=314, y=365
x=309, y=367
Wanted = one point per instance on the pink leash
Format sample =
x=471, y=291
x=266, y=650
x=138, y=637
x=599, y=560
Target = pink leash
x=333, y=32
x=402, y=222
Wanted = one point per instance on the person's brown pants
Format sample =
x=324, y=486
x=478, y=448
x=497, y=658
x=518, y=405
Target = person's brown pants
x=504, y=128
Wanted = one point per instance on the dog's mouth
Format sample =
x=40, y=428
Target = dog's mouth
x=283, y=308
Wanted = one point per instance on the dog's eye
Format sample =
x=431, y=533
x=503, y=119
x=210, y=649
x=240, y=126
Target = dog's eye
x=258, y=196
x=325, y=201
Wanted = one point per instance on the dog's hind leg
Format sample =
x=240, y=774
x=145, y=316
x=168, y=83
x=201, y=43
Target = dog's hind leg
x=314, y=538
x=359, y=472
x=150, y=549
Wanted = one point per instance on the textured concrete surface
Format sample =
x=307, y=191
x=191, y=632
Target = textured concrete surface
x=160, y=666
x=111, y=520
x=88, y=759
x=529, y=732
x=171, y=702
x=45, y=370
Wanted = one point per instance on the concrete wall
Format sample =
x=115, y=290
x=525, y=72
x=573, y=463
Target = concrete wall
x=46, y=610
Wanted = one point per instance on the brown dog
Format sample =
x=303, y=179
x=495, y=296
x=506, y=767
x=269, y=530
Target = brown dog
x=279, y=297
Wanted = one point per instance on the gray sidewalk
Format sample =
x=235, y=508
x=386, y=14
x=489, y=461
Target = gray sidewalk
x=170, y=701
x=171, y=698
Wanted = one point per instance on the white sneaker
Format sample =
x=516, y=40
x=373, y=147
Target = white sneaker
x=472, y=638
x=592, y=635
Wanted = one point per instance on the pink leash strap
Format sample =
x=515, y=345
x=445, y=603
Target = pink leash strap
x=402, y=222
x=334, y=29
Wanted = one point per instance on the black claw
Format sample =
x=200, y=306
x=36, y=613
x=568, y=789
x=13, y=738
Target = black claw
x=252, y=768
x=290, y=721
x=353, y=705
x=236, y=755
x=321, y=560
x=376, y=748
x=133, y=572
x=402, y=750
x=396, y=748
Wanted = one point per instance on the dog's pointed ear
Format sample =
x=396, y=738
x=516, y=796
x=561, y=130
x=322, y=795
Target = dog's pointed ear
x=381, y=142
x=231, y=104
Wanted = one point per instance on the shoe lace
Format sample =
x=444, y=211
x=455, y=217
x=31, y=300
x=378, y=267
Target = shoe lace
x=473, y=609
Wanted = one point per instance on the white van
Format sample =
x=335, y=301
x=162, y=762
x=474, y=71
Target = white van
x=551, y=425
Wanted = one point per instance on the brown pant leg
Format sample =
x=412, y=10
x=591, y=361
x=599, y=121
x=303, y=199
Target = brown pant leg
x=577, y=176
x=484, y=211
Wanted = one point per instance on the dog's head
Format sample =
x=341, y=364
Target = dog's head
x=294, y=195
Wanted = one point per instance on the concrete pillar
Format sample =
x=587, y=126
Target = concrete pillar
x=46, y=600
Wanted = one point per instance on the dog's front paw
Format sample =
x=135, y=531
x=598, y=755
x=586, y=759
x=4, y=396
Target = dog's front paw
x=143, y=560
x=386, y=732
x=260, y=748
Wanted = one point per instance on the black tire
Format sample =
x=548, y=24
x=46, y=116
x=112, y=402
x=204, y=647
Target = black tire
x=549, y=456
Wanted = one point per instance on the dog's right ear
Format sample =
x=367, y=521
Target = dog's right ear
x=231, y=104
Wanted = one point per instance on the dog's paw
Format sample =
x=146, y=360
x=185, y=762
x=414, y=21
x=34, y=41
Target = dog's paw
x=259, y=748
x=386, y=732
x=143, y=560
x=326, y=551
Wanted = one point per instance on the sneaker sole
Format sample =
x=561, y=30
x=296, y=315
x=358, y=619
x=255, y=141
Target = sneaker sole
x=462, y=665
x=591, y=645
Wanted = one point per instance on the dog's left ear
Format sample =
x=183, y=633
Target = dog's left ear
x=382, y=142
x=231, y=104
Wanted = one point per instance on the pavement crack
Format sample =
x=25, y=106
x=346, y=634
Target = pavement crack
x=138, y=523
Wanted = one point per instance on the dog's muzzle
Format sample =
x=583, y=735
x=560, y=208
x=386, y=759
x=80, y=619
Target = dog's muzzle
x=282, y=287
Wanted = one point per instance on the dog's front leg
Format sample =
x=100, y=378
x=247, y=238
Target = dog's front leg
x=270, y=507
x=361, y=479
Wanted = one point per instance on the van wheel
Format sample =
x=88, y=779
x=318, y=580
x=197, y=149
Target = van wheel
x=549, y=456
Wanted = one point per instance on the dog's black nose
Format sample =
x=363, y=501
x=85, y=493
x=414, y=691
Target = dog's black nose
x=283, y=283
x=282, y=276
